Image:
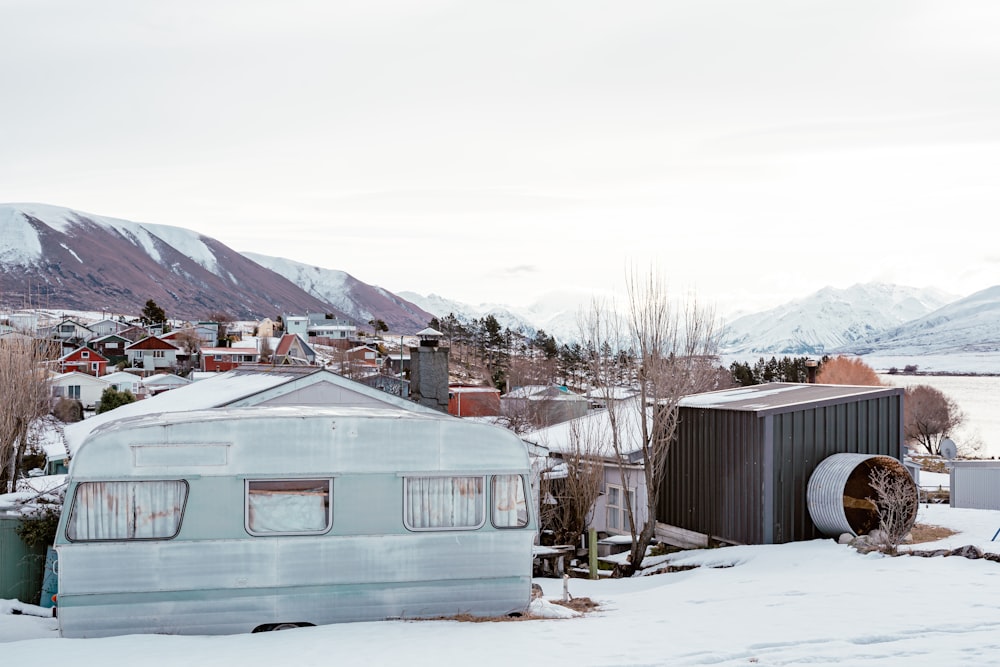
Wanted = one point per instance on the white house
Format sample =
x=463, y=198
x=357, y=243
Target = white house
x=107, y=326
x=125, y=381
x=152, y=353
x=79, y=386
x=590, y=435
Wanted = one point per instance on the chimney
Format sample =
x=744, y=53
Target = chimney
x=811, y=365
x=429, y=371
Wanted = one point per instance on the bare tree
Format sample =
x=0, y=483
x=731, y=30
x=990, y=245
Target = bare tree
x=24, y=397
x=673, y=344
x=266, y=352
x=571, y=484
x=895, y=503
x=929, y=416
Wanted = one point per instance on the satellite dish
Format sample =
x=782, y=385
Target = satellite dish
x=948, y=449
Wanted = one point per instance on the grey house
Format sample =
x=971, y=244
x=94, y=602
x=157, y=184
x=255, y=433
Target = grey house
x=741, y=461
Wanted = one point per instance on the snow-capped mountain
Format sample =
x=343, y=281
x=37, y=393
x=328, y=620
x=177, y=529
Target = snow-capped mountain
x=56, y=257
x=362, y=302
x=971, y=324
x=557, y=313
x=830, y=319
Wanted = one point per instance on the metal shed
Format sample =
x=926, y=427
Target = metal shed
x=740, y=464
x=975, y=484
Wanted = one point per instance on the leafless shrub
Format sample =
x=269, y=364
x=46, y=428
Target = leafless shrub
x=896, y=505
x=571, y=486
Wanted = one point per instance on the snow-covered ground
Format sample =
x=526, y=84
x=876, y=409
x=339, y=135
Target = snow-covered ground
x=810, y=602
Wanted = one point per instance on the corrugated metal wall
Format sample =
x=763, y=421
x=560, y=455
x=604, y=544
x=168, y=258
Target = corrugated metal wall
x=741, y=476
x=715, y=475
x=975, y=485
x=803, y=438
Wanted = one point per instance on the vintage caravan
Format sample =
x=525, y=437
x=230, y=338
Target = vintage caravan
x=250, y=519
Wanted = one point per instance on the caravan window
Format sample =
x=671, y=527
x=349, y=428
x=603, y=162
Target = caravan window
x=444, y=503
x=289, y=506
x=510, y=504
x=127, y=510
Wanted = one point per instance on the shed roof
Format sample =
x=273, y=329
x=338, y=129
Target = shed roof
x=782, y=396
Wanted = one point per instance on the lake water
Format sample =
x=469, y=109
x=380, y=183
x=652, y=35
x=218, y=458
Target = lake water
x=978, y=397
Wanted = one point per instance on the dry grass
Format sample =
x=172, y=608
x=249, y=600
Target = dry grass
x=582, y=605
x=923, y=532
x=930, y=463
x=469, y=618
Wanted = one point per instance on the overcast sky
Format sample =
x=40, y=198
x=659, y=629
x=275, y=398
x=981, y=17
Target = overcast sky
x=494, y=151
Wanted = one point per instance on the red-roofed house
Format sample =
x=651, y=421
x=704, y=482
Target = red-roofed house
x=152, y=353
x=293, y=350
x=84, y=360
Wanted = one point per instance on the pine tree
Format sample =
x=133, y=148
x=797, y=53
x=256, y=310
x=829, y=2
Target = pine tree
x=152, y=314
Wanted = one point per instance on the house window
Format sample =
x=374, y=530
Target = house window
x=159, y=354
x=111, y=346
x=617, y=511
x=73, y=391
x=510, y=504
x=127, y=510
x=443, y=503
x=85, y=355
x=289, y=506
x=216, y=357
x=94, y=366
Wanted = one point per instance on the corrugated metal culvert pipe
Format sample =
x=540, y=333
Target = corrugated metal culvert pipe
x=840, y=496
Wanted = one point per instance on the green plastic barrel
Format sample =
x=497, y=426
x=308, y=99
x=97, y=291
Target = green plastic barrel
x=21, y=566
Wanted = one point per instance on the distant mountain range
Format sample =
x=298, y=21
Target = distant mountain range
x=55, y=257
x=831, y=320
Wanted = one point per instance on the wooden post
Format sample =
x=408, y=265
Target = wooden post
x=592, y=539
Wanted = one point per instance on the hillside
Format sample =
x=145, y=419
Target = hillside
x=59, y=258
x=360, y=301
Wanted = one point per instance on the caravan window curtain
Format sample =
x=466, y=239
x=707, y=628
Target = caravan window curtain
x=127, y=510
x=510, y=504
x=444, y=503
x=289, y=506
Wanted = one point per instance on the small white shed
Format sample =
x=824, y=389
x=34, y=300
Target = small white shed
x=975, y=485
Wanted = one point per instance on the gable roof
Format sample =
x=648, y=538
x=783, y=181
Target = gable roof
x=288, y=340
x=108, y=337
x=76, y=376
x=152, y=343
x=93, y=355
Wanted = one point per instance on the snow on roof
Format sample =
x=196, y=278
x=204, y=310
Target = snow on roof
x=615, y=393
x=591, y=434
x=119, y=377
x=540, y=392
x=779, y=396
x=472, y=390
x=165, y=379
